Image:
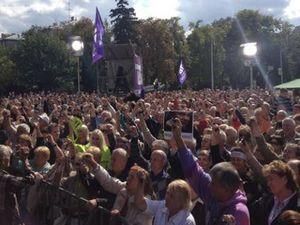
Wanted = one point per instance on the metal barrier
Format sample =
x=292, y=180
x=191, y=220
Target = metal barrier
x=50, y=187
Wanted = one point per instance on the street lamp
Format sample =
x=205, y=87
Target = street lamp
x=76, y=47
x=249, y=51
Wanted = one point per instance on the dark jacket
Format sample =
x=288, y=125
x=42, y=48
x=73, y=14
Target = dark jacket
x=261, y=209
x=9, y=209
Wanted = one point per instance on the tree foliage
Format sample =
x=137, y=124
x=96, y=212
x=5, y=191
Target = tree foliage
x=123, y=21
x=7, y=71
x=42, y=61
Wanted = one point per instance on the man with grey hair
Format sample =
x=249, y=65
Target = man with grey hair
x=119, y=160
x=219, y=189
x=9, y=186
x=159, y=177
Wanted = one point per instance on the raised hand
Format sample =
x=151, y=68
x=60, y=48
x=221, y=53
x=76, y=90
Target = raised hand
x=89, y=160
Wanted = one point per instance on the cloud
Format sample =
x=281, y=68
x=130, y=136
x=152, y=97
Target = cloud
x=157, y=8
x=19, y=15
x=293, y=10
x=209, y=11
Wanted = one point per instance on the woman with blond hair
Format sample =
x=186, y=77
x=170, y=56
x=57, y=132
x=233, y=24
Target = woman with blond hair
x=173, y=210
x=97, y=139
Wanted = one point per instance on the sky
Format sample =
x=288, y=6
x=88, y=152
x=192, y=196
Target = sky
x=17, y=16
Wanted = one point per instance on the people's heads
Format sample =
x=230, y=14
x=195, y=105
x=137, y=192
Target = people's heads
x=207, y=131
x=158, y=161
x=280, y=177
x=212, y=111
x=232, y=136
x=296, y=109
x=225, y=181
x=178, y=196
x=4, y=138
x=288, y=127
x=123, y=142
x=83, y=133
x=5, y=154
x=284, y=93
x=223, y=138
x=80, y=165
x=43, y=120
x=258, y=114
x=238, y=160
x=277, y=143
x=24, y=140
x=281, y=115
x=97, y=138
x=23, y=128
x=96, y=152
x=265, y=107
x=54, y=130
x=106, y=116
x=41, y=156
x=138, y=177
x=119, y=159
x=204, y=160
x=291, y=151
x=205, y=143
x=295, y=166
x=160, y=145
x=191, y=144
x=245, y=112
x=245, y=133
x=297, y=119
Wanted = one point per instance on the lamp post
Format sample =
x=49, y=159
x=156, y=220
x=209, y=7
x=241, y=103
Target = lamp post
x=76, y=47
x=249, y=51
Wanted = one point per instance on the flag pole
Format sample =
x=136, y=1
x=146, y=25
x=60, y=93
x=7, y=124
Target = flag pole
x=97, y=77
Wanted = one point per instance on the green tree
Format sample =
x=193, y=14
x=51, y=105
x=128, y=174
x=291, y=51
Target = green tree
x=252, y=26
x=123, y=21
x=157, y=48
x=7, y=71
x=293, y=55
x=43, y=61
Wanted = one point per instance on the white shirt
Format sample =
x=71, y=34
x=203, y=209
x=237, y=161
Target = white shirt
x=161, y=214
x=278, y=207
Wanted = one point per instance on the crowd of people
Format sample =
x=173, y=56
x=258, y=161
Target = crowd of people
x=88, y=159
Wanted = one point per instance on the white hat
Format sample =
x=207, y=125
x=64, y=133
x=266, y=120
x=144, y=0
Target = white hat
x=45, y=118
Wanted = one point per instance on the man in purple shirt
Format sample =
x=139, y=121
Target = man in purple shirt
x=219, y=189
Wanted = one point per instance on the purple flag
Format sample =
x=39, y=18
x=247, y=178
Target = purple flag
x=182, y=74
x=98, y=47
x=138, y=74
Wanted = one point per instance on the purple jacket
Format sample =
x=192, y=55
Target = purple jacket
x=200, y=181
